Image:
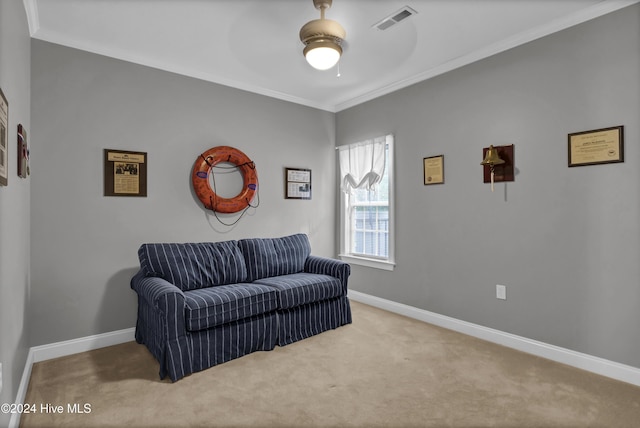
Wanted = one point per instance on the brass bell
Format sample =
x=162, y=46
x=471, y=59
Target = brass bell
x=492, y=157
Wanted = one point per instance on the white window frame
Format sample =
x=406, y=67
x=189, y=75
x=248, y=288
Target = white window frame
x=345, y=226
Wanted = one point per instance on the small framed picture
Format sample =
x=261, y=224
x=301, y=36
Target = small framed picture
x=297, y=183
x=433, y=168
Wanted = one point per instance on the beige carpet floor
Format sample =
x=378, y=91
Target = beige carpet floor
x=384, y=370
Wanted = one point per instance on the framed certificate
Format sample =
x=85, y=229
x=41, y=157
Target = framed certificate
x=433, y=169
x=604, y=145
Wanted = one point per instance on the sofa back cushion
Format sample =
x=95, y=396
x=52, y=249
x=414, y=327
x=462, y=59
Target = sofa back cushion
x=266, y=257
x=194, y=265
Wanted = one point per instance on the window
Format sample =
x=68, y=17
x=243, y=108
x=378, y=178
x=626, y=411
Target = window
x=366, y=172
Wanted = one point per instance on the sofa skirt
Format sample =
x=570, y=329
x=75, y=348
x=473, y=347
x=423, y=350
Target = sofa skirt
x=188, y=352
x=232, y=340
x=298, y=323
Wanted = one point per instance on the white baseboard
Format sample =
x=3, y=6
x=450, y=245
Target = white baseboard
x=62, y=349
x=14, y=422
x=582, y=361
x=83, y=344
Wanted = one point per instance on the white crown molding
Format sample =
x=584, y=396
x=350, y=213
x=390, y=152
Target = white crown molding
x=579, y=360
x=595, y=11
x=33, y=19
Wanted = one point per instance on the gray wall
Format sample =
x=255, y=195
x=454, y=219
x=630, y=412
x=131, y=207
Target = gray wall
x=565, y=241
x=84, y=244
x=14, y=204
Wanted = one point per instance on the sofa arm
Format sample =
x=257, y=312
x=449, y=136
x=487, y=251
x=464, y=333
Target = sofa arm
x=327, y=266
x=162, y=296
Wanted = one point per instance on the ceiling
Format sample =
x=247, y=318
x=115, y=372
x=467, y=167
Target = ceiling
x=253, y=44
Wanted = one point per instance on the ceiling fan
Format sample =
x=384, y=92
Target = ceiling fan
x=322, y=38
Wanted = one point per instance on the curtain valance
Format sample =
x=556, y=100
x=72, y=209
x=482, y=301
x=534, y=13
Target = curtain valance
x=362, y=164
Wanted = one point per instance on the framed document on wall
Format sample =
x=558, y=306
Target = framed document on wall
x=604, y=145
x=433, y=169
x=297, y=183
x=125, y=173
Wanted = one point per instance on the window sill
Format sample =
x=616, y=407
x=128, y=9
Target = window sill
x=363, y=261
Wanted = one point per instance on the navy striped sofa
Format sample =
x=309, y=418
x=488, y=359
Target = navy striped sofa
x=202, y=304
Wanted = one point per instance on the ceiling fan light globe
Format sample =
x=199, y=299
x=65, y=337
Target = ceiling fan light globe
x=322, y=56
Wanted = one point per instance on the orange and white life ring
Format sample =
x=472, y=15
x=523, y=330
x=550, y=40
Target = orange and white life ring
x=200, y=179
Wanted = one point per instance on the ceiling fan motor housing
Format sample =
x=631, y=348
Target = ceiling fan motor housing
x=325, y=29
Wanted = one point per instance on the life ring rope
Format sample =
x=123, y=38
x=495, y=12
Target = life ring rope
x=203, y=169
x=215, y=214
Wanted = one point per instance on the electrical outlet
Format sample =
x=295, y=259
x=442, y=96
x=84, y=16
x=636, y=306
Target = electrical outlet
x=501, y=292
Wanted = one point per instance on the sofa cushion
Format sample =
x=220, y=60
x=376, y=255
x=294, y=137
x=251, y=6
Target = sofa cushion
x=267, y=257
x=302, y=288
x=209, y=307
x=194, y=265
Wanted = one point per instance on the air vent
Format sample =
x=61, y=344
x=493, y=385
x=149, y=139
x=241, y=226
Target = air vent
x=394, y=18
